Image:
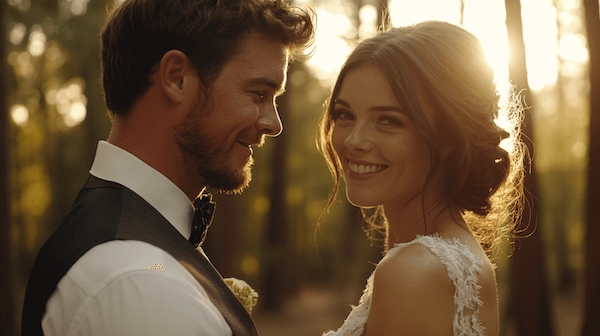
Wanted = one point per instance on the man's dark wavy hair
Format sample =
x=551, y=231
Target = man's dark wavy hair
x=139, y=32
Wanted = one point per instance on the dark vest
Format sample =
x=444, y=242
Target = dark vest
x=105, y=211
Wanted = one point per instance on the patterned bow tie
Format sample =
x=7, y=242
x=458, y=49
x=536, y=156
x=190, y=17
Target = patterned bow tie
x=203, y=216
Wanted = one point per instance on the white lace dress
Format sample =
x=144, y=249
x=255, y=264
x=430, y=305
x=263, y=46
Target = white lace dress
x=463, y=268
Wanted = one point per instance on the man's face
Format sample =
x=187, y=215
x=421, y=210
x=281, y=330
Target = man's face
x=216, y=137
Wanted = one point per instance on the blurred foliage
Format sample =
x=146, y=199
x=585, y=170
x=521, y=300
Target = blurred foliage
x=57, y=115
x=561, y=134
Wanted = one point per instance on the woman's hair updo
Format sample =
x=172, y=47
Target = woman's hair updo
x=483, y=178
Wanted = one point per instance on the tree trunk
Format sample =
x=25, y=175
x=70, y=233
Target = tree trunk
x=277, y=256
x=382, y=8
x=7, y=315
x=462, y=12
x=529, y=290
x=592, y=263
x=222, y=243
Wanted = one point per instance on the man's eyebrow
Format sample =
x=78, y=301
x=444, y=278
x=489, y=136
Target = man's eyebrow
x=279, y=88
x=379, y=108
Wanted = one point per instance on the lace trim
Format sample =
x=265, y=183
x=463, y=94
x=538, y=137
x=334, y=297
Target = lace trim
x=354, y=325
x=463, y=267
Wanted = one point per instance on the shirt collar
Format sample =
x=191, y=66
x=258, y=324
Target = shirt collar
x=117, y=165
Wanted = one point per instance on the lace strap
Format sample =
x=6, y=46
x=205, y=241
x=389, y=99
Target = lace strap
x=464, y=268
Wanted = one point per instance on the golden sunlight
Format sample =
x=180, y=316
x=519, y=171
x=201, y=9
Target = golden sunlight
x=70, y=101
x=407, y=12
x=485, y=19
x=37, y=41
x=19, y=114
x=331, y=46
x=540, y=34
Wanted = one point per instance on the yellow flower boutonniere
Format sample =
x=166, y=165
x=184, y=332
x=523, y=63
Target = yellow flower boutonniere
x=247, y=296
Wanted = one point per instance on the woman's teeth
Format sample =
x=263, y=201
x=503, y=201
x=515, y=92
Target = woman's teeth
x=362, y=169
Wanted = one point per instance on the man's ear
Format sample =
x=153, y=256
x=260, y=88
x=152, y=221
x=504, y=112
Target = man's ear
x=176, y=75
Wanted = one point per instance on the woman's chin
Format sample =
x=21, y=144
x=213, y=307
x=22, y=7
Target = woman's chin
x=361, y=201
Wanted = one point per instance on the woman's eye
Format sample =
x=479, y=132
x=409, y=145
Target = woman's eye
x=391, y=122
x=341, y=115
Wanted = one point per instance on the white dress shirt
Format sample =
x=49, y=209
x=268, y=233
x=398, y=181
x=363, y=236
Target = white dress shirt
x=127, y=287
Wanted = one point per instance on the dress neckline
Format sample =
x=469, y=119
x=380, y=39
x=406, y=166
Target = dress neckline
x=453, y=241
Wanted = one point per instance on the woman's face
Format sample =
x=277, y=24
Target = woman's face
x=384, y=157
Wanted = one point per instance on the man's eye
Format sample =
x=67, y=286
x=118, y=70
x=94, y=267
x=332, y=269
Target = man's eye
x=259, y=94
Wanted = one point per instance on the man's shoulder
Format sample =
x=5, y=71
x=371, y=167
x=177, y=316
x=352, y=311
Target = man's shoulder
x=116, y=259
x=131, y=286
x=97, y=208
x=96, y=214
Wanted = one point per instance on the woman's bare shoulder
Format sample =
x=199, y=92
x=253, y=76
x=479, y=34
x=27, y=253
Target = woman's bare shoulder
x=411, y=291
x=413, y=257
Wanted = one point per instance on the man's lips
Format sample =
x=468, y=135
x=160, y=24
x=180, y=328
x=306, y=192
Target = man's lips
x=249, y=142
x=248, y=146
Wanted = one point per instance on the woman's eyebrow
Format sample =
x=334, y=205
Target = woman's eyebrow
x=387, y=108
x=378, y=108
x=342, y=102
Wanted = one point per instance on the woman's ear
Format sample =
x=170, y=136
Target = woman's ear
x=447, y=148
x=176, y=76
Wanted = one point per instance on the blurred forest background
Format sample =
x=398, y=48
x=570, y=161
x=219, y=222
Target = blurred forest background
x=307, y=274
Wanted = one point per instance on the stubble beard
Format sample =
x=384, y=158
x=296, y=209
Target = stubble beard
x=207, y=157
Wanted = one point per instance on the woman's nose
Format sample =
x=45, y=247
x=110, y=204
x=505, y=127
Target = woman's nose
x=358, y=139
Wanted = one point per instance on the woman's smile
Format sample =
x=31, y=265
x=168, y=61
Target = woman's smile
x=365, y=168
x=384, y=156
